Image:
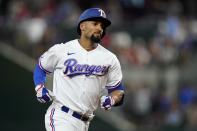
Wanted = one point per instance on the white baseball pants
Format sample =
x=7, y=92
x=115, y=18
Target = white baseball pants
x=57, y=120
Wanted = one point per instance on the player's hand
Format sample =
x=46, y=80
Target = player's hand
x=107, y=102
x=42, y=94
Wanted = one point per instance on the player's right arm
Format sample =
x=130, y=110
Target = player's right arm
x=46, y=65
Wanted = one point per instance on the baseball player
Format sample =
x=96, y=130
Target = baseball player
x=82, y=69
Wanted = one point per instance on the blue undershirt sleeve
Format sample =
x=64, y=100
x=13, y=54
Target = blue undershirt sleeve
x=39, y=75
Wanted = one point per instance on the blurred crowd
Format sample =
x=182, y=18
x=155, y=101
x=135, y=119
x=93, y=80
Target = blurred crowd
x=155, y=41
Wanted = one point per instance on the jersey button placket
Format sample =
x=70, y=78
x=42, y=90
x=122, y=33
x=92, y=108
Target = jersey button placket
x=85, y=77
x=84, y=85
x=84, y=82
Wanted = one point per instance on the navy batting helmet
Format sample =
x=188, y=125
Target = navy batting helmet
x=93, y=14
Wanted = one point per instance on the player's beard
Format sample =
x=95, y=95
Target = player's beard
x=95, y=39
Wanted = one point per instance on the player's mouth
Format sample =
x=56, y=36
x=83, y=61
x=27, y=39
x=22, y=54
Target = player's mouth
x=97, y=34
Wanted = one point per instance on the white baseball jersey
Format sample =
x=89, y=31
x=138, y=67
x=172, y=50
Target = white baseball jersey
x=80, y=76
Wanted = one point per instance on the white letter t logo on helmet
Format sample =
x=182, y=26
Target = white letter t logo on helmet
x=102, y=13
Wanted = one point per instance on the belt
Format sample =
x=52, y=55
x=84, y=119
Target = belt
x=75, y=114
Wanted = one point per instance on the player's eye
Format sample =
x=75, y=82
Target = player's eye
x=97, y=23
x=94, y=23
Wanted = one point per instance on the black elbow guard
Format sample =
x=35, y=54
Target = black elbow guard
x=120, y=102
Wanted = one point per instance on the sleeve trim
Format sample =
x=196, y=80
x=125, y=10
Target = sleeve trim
x=40, y=65
x=118, y=86
x=111, y=87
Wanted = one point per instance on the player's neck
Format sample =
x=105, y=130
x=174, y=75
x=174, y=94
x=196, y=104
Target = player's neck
x=87, y=44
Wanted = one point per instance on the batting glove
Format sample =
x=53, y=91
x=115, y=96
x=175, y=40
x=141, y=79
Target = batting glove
x=107, y=102
x=42, y=94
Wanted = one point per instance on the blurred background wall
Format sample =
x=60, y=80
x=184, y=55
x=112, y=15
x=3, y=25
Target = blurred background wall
x=155, y=41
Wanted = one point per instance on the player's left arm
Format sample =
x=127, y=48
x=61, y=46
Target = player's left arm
x=118, y=95
x=115, y=97
x=114, y=86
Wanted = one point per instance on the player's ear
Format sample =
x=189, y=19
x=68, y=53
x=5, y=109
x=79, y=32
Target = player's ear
x=82, y=26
